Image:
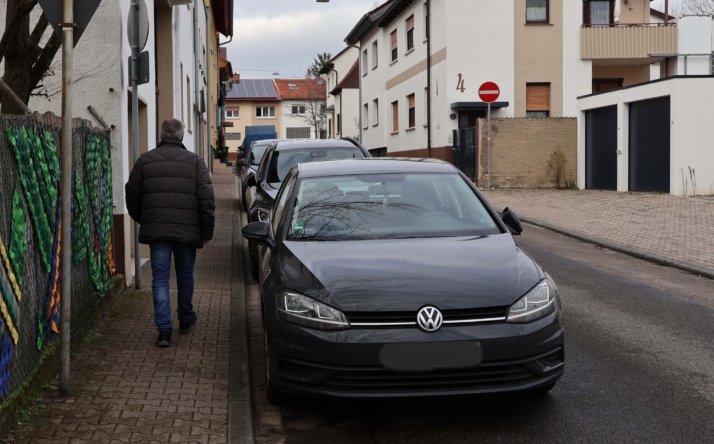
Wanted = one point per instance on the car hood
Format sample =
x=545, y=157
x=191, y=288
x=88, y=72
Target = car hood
x=406, y=274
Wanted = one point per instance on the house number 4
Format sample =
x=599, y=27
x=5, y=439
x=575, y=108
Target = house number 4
x=460, y=84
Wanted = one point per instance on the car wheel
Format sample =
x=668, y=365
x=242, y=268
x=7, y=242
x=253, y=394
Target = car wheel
x=543, y=389
x=275, y=396
x=253, y=260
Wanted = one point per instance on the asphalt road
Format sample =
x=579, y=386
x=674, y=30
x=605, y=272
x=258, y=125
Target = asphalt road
x=639, y=368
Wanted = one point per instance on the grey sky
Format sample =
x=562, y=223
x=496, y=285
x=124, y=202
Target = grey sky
x=286, y=35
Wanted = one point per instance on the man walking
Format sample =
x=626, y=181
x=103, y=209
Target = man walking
x=170, y=195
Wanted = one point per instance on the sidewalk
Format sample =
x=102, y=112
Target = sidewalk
x=126, y=389
x=662, y=228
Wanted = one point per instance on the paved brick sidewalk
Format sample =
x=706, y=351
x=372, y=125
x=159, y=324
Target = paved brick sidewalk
x=125, y=389
x=661, y=226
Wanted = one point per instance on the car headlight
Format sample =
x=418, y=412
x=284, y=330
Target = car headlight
x=537, y=303
x=303, y=310
x=263, y=214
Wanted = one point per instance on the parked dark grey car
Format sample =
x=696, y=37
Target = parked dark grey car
x=279, y=157
x=249, y=164
x=396, y=278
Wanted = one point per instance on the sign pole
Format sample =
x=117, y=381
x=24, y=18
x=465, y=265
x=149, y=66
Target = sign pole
x=134, y=83
x=488, y=186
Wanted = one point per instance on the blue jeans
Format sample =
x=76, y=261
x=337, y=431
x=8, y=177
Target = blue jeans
x=184, y=257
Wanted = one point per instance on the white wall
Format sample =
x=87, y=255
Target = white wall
x=577, y=73
x=694, y=35
x=692, y=105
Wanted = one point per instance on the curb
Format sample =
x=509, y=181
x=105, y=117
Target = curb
x=639, y=254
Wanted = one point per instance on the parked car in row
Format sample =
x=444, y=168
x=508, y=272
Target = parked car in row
x=249, y=166
x=396, y=278
x=279, y=157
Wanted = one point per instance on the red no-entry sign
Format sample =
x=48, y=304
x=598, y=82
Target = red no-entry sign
x=489, y=92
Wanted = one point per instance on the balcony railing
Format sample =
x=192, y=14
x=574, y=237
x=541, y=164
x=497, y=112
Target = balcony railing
x=627, y=41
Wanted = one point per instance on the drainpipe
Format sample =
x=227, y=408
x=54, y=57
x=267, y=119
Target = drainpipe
x=359, y=107
x=209, y=155
x=196, y=58
x=428, y=79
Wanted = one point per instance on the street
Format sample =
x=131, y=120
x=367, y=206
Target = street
x=639, y=367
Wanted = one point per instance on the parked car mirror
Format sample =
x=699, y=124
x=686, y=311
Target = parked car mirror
x=511, y=220
x=260, y=232
x=240, y=162
x=251, y=181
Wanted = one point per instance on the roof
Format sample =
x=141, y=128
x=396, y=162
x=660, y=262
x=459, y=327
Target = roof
x=297, y=89
x=366, y=22
x=395, y=10
x=350, y=80
x=301, y=144
x=223, y=16
x=253, y=89
x=375, y=165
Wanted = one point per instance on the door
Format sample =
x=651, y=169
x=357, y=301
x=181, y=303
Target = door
x=465, y=151
x=601, y=148
x=649, y=156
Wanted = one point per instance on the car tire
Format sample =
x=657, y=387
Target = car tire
x=539, y=391
x=253, y=260
x=275, y=396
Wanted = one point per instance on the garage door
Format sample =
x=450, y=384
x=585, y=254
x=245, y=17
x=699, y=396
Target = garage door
x=601, y=148
x=649, y=145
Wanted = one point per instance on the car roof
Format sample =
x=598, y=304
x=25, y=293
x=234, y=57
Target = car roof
x=374, y=165
x=295, y=144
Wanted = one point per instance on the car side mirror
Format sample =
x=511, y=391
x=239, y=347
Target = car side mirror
x=259, y=231
x=251, y=181
x=511, y=220
x=240, y=162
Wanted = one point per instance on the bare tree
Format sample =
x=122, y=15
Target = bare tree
x=691, y=7
x=27, y=61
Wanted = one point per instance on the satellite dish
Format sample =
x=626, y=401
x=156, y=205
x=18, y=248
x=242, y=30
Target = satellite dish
x=142, y=22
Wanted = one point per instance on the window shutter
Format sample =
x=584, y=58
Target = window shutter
x=538, y=97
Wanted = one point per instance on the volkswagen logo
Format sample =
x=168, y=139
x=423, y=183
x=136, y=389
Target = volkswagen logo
x=429, y=319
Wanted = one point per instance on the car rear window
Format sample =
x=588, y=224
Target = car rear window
x=282, y=161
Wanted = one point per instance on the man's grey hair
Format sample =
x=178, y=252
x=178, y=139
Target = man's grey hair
x=172, y=129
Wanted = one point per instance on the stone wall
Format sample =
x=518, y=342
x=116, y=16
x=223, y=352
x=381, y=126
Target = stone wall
x=529, y=153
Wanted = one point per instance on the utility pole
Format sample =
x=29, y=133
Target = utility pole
x=66, y=202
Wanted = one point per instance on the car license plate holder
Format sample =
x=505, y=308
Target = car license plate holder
x=429, y=356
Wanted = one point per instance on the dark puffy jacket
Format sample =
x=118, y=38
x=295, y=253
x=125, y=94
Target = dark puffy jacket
x=170, y=194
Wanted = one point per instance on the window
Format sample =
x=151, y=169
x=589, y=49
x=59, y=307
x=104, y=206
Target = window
x=297, y=133
x=375, y=57
x=598, y=12
x=426, y=21
x=233, y=113
x=538, y=100
x=426, y=108
x=365, y=116
x=410, y=32
x=600, y=85
x=183, y=118
x=364, y=62
x=375, y=112
x=395, y=117
x=265, y=112
x=298, y=109
x=412, y=111
x=188, y=104
x=393, y=37
x=537, y=11
x=339, y=124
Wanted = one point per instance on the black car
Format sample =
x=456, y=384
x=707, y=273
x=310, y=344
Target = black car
x=251, y=160
x=279, y=157
x=396, y=278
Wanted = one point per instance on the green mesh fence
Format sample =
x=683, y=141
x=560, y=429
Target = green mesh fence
x=30, y=224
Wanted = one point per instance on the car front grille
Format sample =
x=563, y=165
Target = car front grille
x=396, y=319
x=376, y=380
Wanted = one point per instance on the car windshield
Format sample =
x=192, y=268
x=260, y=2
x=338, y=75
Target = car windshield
x=388, y=206
x=282, y=161
x=256, y=153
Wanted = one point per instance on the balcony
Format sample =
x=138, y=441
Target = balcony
x=627, y=41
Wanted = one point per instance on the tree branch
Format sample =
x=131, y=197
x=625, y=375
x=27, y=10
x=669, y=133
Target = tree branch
x=22, y=8
x=45, y=60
